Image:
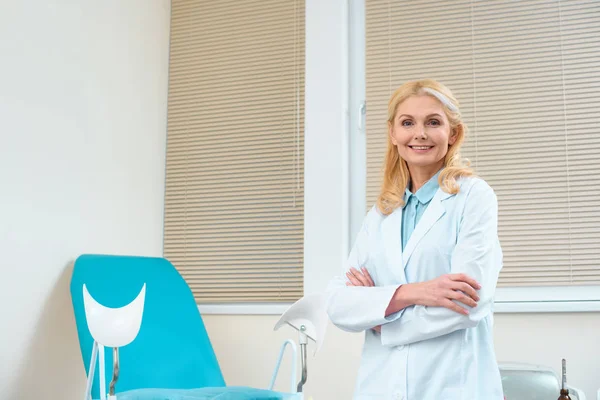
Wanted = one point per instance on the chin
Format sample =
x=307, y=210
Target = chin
x=423, y=163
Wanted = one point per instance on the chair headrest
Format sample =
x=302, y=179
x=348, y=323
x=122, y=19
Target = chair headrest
x=114, y=327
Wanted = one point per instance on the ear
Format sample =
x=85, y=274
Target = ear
x=452, y=138
x=454, y=135
x=391, y=133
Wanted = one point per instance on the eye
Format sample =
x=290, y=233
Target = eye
x=406, y=122
x=435, y=122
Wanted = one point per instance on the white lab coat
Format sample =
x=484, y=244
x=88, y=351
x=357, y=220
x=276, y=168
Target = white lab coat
x=425, y=353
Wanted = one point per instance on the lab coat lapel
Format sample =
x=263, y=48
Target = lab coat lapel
x=432, y=214
x=392, y=231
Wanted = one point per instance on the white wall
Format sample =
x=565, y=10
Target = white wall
x=83, y=89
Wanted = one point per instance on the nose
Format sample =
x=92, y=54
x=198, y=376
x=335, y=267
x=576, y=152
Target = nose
x=420, y=132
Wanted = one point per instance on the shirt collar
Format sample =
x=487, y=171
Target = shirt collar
x=426, y=192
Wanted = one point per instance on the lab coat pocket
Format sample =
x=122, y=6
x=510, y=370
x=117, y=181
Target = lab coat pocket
x=444, y=253
x=445, y=249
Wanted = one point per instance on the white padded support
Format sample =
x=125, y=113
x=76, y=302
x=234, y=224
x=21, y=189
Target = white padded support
x=114, y=327
x=308, y=316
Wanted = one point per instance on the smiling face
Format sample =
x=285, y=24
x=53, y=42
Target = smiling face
x=422, y=134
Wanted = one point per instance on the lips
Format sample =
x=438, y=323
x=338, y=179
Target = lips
x=421, y=148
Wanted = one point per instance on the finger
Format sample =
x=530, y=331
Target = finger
x=463, y=298
x=467, y=279
x=349, y=284
x=359, y=276
x=353, y=280
x=368, y=276
x=455, y=307
x=466, y=289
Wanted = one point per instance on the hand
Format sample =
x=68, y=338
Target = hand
x=442, y=290
x=358, y=278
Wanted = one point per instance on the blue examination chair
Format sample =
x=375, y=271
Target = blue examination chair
x=142, y=336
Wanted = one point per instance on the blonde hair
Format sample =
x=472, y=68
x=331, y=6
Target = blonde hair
x=395, y=171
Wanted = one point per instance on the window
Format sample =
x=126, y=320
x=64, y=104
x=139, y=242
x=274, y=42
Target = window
x=527, y=76
x=235, y=145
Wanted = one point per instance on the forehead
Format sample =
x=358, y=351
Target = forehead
x=420, y=105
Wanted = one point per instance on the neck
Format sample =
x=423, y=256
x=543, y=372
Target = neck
x=420, y=175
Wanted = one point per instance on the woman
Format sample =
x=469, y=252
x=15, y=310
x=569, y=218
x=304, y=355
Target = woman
x=423, y=270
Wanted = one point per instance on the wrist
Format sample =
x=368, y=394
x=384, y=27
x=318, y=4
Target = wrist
x=403, y=297
x=410, y=294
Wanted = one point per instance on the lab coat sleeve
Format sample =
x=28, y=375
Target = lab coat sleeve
x=356, y=309
x=477, y=254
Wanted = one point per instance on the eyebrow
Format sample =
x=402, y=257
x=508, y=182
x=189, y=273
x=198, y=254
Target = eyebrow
x=410, y=116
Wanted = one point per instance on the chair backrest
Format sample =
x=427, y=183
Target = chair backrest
x=172, y=349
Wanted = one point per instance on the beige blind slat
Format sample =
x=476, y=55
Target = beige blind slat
x=527, y=77
x=234, y=203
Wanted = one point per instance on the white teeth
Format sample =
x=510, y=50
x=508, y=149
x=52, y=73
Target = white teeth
x=421, y=147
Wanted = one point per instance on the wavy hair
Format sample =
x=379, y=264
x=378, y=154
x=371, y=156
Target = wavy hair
x=395, y=171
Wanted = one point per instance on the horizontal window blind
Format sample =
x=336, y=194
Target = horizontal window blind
x=234, y=212
x=527, y=75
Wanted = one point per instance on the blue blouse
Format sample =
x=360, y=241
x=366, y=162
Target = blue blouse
x=415, y=205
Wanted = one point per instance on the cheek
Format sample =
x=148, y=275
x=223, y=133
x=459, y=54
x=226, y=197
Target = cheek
x=396, y=138
x=442, y=138
x=402, y=136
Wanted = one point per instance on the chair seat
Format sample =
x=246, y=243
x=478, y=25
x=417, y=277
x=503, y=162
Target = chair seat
x=217, y=393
